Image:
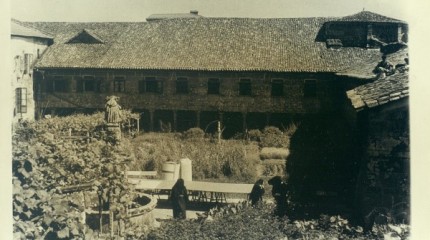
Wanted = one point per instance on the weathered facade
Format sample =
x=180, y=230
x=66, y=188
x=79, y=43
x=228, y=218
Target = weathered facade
x=190, y=72
x=194, y=99
x=27, y=46
x=382, y=125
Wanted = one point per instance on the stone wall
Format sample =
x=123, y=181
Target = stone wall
x=384, y=180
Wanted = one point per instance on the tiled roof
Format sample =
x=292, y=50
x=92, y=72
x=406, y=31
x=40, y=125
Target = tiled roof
x=19, y=30
x=172, y=16
x=365, y=69
x=379, y=92
x=208, y=44
x=366, y=16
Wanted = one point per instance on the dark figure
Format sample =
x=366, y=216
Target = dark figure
x=179, y=198
x=279, y=192
x=257, y=192
x=384, y=68
x=403, y=67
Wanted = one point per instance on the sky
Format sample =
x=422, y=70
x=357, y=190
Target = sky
x=139, y=10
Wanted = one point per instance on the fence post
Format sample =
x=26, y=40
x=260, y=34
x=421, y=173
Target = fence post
x=219, y=132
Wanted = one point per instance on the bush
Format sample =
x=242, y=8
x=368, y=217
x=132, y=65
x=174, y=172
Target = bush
x=273, y=137
x=194, y=133
x=254, y=135
x=240, y=221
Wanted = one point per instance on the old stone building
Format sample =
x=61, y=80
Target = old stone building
x=27, y=46
x=250, y=73
x=189, y=72
x=381, y=115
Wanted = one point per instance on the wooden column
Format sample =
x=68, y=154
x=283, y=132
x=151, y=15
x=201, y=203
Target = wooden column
x=151, y=120
x=369, y=34
x=267, y=119
x=198, y=119
x=244, y=125
x=399, y=33
x=175, y=121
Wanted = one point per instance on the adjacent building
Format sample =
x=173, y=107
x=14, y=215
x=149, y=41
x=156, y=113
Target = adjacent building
x=28, y=45
x=380, y=110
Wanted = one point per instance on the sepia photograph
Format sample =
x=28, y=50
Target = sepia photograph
x=199, y=119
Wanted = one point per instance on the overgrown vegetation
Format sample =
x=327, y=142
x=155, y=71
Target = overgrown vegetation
x=242, y=221
x=46, y=159
x=228, y=161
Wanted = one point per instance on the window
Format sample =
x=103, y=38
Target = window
x=150, y=85
x=277, y=88
x=119, y=84
x=182, y=85
x=28, y=59
x=213, y=86
x=21, y=100
x=88, y=84
x=310, y=88
x=245, y=87
x=59, y=84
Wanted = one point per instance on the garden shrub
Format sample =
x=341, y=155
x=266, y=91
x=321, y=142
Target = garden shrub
x=254, y=135
x=193, y=133
x=241, y=221
x=45, y=159
x=273, y=137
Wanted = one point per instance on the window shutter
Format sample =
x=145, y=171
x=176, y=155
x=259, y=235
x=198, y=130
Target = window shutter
x=28, y=59
x=21, y=100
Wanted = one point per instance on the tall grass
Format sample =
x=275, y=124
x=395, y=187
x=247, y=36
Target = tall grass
x=229, y=160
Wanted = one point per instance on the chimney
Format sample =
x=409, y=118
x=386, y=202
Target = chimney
x=195, y=12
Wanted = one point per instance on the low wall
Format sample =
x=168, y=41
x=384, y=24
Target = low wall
x=141, y=215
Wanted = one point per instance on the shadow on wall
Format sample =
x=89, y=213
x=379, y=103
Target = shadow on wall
x=322, y=165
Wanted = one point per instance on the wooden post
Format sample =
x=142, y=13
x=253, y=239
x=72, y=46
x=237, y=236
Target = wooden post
x=369, y=34
x=198, y=119
x=219, y=131
x=151, y=120
x=138, y=125
x=244, y=122
x=111, y=223
x=175, y=121
x=101, y=213
x=399, y=33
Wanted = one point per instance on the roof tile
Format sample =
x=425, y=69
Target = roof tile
x=377, y=93
x=209, y=44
